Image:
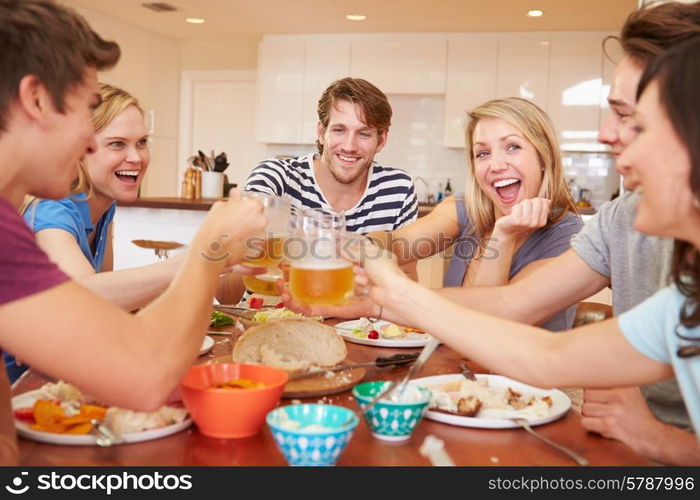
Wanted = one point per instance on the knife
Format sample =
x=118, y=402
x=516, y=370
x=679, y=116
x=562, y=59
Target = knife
x=395, y=360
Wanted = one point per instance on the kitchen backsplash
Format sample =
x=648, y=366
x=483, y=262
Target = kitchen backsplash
x=416, y=146
x=592, y=171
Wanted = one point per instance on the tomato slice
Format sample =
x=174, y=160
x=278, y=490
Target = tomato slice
x=255, y=302
x=26, y=414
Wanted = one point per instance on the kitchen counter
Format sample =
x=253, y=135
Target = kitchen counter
x=205, y=204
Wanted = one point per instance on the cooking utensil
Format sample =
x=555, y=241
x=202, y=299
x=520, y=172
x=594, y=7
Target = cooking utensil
x=430, y=347
x=220, y=163
x=380, y=362
x=566, y=451
x=206, y=164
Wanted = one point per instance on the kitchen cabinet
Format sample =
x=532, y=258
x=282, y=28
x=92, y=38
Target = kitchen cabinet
x=324, y=63
x=523, y=68
x=561, y=72
x=576, y=90
x=292, y=74
x=401, y=64
x=472, y=63
x=280, y=90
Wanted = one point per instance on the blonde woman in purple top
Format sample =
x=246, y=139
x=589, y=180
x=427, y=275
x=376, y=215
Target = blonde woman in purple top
x=516, y=213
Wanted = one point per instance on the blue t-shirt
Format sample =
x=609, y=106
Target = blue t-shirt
x=651, y=329
x=72, y=214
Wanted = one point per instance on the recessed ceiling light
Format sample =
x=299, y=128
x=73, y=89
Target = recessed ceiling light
x=355, y=17
x=195, y=20
x=535, y=13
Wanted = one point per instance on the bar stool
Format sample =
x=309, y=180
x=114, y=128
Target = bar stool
x=161, y=248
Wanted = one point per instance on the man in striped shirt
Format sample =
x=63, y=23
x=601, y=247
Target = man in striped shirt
x=354, y=118
x=353, y=125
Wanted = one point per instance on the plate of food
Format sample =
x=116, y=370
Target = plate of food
x=58, y=413
x=491, y=402
x=381, y=333
x=207, y=345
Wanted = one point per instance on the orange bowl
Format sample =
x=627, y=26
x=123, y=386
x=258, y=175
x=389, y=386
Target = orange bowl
x=226, y=413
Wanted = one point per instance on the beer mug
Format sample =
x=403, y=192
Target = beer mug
x=277, y=211
x=318, y=275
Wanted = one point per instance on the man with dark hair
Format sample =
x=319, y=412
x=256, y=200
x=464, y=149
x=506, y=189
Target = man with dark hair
x=49, y=58
x=353, y=125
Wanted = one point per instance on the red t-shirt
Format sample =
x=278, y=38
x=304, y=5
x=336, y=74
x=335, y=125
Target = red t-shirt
x=24, y=267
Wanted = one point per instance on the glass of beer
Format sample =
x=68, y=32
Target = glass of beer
x=318, y=275
x=269, y=253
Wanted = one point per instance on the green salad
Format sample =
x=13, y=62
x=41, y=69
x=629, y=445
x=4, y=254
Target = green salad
x=220, y=319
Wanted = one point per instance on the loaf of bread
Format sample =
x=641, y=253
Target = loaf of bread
x=294, y=345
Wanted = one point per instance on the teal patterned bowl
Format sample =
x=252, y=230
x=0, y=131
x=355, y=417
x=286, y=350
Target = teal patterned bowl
x=388, y=420
x=321, y=437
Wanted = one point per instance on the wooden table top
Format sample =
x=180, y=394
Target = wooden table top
x=466, y=446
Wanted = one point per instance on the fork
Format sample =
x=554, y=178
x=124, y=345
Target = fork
x=104, y=436
x=570, y=453
x=467, y=372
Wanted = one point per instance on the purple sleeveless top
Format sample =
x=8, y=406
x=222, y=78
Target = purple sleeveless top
x=542, y=244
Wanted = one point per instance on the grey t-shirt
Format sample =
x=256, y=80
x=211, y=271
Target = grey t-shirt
x=638, y=266
x=542, y=244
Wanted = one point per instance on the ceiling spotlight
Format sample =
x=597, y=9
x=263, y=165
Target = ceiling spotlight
x=195, y=20
x=355, y=17
x=535, y=13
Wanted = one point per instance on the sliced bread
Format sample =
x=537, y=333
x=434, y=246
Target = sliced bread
x=294, y=344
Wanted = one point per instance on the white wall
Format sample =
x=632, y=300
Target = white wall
x=150, y=69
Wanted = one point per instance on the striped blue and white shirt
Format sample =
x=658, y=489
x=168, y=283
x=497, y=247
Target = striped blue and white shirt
x=388, y=203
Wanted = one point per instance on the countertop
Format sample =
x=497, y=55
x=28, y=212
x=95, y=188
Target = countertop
x=203, y=204
x=206, y=203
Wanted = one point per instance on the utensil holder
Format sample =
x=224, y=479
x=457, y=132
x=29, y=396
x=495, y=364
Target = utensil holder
x=212, y=184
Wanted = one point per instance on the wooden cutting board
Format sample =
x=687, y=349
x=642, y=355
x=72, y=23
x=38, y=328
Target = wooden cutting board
x=322, y=385
x=316, y=386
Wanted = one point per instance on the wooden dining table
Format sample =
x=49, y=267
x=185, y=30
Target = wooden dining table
x=466, y=446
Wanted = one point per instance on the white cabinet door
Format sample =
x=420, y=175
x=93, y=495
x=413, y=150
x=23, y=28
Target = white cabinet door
x=523, y=68
x=401, y=65
x=324, y=62
x=217, y=112
x=575, y=89
x=280, y=90
x=471, y=80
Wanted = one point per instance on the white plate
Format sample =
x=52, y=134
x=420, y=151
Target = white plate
x=494, y=419
x=23, y=429
x=207, y=345
x=410, y=340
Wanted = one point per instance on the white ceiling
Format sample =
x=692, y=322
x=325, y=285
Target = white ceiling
x=246, y=18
